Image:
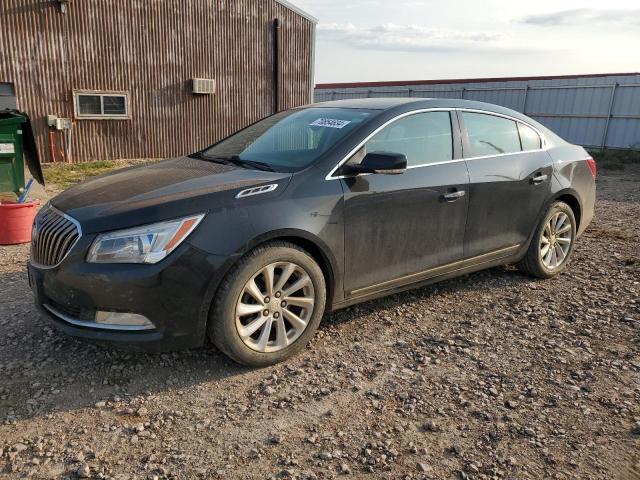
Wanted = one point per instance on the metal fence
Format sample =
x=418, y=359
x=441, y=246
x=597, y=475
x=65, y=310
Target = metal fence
x=596, y=111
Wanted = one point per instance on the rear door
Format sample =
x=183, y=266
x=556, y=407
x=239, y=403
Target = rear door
x=510, y=175
x=400, y=225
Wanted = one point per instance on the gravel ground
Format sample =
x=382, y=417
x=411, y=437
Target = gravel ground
x=493, y=375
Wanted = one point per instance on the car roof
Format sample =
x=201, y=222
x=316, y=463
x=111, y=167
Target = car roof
x=387, y=103
x=399, y=105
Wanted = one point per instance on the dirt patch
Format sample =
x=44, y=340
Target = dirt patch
x=492, y=375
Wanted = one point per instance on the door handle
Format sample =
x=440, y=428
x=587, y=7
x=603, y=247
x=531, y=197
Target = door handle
x=538, y=179
x=453, y=196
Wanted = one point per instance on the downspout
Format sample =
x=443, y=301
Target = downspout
x=52, y=145
x=312, y=67
x=276, y=65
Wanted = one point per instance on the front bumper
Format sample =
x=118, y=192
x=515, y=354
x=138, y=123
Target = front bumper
x=175, y=294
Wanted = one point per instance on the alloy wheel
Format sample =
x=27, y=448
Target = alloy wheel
x=555, y=241
x=275, y=307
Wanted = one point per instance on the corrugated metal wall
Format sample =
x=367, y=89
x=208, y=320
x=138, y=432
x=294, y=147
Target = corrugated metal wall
x=592, y=111
x=152, y=49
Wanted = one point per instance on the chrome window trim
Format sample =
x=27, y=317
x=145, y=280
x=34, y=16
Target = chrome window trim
x=505, y=154
x=98, y=326
x=68, y=217
x=455, y=160
x=346, y=158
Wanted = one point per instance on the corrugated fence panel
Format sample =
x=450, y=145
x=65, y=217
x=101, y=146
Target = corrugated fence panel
x=592, y=110
x=435, y=93
x=152, y=49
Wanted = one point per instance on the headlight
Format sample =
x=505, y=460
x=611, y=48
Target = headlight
x=146, y=244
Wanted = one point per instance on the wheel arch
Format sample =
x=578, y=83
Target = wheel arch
x=534, y=266
x=568, y=196
x=571, y=198
x=318, y=249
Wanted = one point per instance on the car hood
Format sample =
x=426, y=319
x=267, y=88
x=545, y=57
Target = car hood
x=151, y=193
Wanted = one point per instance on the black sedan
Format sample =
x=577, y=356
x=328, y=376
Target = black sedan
x=250, y=241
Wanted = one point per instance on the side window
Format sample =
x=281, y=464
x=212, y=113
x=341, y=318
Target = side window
x=423, y=137
x=529, y=138
x=490, y=135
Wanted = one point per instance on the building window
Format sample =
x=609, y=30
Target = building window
x=101, y=105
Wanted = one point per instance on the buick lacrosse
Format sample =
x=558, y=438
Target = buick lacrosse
x=251, y=240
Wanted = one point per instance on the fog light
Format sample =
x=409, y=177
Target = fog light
x=132, y=320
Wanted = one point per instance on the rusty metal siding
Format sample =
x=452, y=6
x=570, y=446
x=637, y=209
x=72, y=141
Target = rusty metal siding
x=152, y=49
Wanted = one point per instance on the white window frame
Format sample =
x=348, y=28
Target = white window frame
x=100, y=93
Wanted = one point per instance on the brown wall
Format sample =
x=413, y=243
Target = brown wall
x=152, y=49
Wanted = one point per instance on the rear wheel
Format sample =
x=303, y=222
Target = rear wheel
x=269, y=305
x=552, y=244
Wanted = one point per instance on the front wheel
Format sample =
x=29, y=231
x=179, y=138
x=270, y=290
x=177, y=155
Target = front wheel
x=552, y=244
x=269, y=305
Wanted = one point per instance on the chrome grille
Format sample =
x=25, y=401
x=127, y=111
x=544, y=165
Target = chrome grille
x=54, y=234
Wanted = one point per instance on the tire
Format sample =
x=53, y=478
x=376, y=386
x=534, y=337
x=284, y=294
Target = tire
x=256, y=332
x=539, y=262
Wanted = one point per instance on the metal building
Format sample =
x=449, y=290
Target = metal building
x=106, y=79
x=595, y=111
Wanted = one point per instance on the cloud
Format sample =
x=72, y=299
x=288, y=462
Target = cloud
x=408, y=38
x=581, y=16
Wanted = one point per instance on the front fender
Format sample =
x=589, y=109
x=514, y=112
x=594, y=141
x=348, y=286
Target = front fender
x=315, y=245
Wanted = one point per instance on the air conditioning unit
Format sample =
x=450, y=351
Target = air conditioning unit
x=204, y=86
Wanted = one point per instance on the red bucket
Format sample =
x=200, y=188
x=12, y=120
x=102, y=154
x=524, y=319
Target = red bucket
x=16, y=221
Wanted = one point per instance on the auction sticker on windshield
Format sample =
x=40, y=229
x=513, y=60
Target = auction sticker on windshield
x=330, y=122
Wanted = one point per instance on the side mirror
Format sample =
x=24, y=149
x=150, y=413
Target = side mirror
x=388, y=163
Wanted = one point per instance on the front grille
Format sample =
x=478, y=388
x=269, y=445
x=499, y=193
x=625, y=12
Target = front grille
x=54, y=235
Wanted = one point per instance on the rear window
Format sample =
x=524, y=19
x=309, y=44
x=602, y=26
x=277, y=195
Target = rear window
x=529, y=138
x=490, y=135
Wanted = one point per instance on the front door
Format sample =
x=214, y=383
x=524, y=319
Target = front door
x=397, y=226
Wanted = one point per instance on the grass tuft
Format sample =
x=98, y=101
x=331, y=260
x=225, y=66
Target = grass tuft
x=615, y=159
x=65, y=175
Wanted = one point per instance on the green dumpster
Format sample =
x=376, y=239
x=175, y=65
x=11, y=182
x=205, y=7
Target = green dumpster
x=17, y=145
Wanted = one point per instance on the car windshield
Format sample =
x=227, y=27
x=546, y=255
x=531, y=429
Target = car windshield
x=288, y=141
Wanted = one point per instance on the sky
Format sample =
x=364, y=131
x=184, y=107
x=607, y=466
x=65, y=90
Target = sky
x=376, y=40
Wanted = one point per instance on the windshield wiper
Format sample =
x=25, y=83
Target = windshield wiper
x=202, y=156
x=234, y=160
x=251, y=163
